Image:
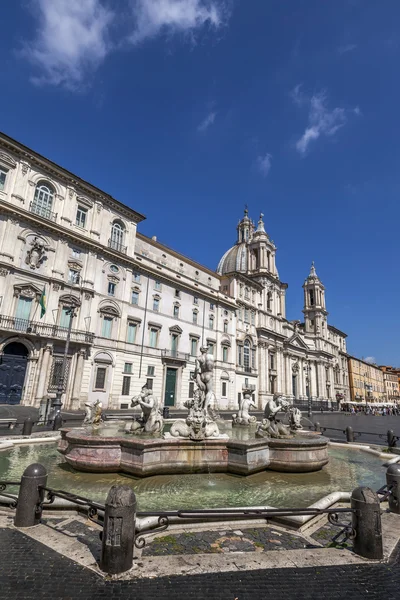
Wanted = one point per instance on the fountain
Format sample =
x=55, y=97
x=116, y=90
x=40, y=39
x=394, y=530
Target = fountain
x=195, y=444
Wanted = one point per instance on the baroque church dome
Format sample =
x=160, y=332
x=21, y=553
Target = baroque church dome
x=236, y=258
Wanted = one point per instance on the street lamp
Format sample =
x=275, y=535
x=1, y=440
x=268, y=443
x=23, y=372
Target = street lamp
x=57, y=404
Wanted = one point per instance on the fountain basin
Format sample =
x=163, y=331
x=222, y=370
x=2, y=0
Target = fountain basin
x=144, y=457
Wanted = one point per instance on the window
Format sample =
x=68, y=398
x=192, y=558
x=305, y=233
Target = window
x=195, y=300
x=43, y=200
x=224, y=354
x=136, y=277
x=149, y=384
x=247, y=293
x=76, y=253
x=81, y=214
x=153, y=337
x=311, y=296
x=157, y=285
x=211, y=306
x=195, y=316
x=150, y=371
x=246, y=355
x=100, y=381
x=3, y=175
x=191, y=389
x=174, y=343
x=225, y=326
x=272, y=384
x=193, y=346
x=106, y=327
x=111, y=288
x=253, y=317
x=73, y=276
x=176, y=311
x=117, y=237
x=272, y=361
x=156, y=304
x=246, y=315
x=65, y=317
x=114, y=268
x=211, y=322
x=135, y=297
x=128, y=368
x=126, y=385
x=211, y=348
x=132, y=329
x=177, y=294
x=224, y=386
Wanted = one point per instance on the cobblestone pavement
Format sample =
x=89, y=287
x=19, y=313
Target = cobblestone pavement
x=31, y=571
x=214, y=542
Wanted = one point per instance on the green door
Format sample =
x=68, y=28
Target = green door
x=170, y=386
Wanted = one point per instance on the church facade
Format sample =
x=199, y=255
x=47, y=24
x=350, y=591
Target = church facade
x=140, y=310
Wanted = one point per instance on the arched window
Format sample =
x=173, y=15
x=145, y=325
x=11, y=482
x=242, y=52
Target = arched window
x=117, y=237
x=43, y=200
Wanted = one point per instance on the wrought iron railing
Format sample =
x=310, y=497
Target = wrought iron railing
x=41, y=211
x=114, y=245
x=175, y=354
x=46, y=330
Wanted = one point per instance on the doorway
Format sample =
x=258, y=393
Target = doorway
x=170, y=387
x=13, y=363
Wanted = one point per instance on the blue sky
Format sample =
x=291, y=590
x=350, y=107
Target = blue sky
x=187, y=110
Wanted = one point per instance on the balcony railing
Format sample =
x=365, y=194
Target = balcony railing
x=114, y=245
x=175, y=354
x=44, y=330
x=46, y=213
x=243, y=369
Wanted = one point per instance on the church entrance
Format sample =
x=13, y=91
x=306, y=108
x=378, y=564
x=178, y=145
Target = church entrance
x=13, y=363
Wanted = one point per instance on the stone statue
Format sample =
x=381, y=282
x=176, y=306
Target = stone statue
x=36, y=255
x=270, y=425
x=93, y=412
x=243, y=417
x=200, y=422
x=294, y=418
x=151, y=420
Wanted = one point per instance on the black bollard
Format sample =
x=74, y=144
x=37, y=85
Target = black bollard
x=317, y=426
x=27, y=428
x=119, y=530
x=366, y=521
x=391, y=438
x=58, y=422
x=166, y=412
x=349, y=434
x=30, y=497
x=393, y=481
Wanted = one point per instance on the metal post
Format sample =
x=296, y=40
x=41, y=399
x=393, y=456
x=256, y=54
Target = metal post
x=28, y=425
x=393, y=482
x=118, y=535
x=57, y=404
x=30, y=496
x=391, y=438
x=349, y=434
x=58, y=422
x=366, y=522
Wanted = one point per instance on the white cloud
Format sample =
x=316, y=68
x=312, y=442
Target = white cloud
x=173, y=16
x=297, y=95
x=371, y=360
x=346, y=48
x=71, y=40
x=264, y=164
x=321, y=121
x=207, y=122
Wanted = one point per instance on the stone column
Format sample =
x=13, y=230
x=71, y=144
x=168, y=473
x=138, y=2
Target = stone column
x=313, y=380
x=279, y=371
x=288, y=368
x=262, y=391
x=44, y=367
x=78, y=379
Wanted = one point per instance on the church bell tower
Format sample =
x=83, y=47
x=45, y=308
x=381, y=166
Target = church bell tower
x=315, y=312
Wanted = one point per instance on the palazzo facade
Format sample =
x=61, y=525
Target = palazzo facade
x=142, y=310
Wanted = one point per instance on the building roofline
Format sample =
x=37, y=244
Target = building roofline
x=333, y=328
x=28, y=153
x=364, y=362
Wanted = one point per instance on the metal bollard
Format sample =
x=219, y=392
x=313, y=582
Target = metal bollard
x=349, y=434
x=391, y=438
x=58, y=422
x=27, y=428
x=30, y=497
x=366, y=522
x=166, y=412
x=393, y=481
x=119, y=530
x=317, y=426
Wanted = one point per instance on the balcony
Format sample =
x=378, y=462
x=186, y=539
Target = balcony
x=248, y=370
x=114, y=245
x=43, y=212
x=34, y=328
x=175, y=355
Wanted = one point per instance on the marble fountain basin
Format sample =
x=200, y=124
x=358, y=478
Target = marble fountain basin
x=88, y=451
